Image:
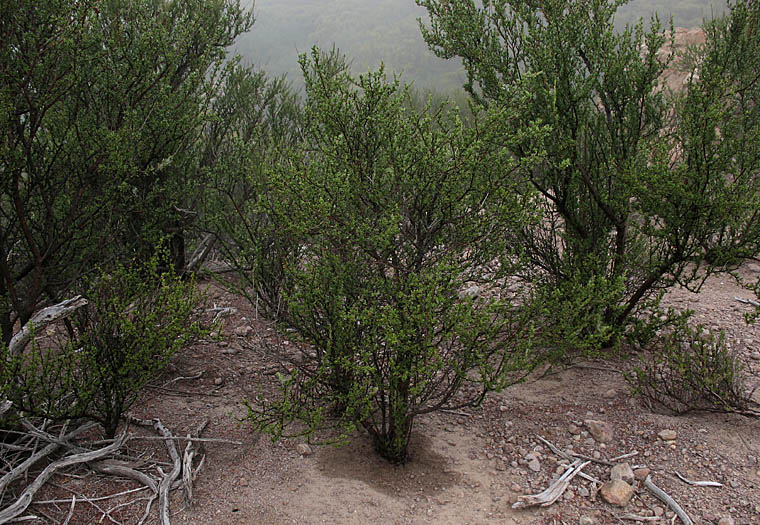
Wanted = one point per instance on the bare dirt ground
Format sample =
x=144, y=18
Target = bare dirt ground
x=465, y=468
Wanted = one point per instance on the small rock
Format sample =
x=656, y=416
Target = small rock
x=668, y=435
x=218, y=381
x=243, y=482
x=610, y=394
x=659, y=511
x=623, y=472
x=726, y=521
x=755, y=356
x=753, y=267
x=515, y=487
x=304, y=449
x=534, y=465
x=599, y=430
x=586, y=520
x=640, y=474
x=583, y=492
x=243, y=330
x=573, y=429
x=617, y=492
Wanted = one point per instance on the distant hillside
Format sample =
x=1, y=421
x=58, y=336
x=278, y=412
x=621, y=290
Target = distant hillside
x=371, y=31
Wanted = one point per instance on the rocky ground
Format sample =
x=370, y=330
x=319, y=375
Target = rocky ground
x=465, y=467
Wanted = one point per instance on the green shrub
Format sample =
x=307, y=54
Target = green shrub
x=641, y=189
x=394, y=212
x=136, y=319
x=692, y=369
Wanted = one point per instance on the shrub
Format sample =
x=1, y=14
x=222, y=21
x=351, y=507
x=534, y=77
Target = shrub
x=136, y=319
x=393, y=211
x=692, y=369
x=641, y=188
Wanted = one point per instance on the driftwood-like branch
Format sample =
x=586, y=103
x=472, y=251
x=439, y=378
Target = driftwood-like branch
x=42, y=318
x=568, y=457
x=71, y=510
x=698, y=483
x=554, y=491
x=747, y=301
x=27, y=495
x=191, y=450
x=21, y=469
x=200, y=254
x=670, y=502
x=116, y=469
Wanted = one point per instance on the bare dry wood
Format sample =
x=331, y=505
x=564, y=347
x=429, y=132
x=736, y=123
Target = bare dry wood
x=670, y=502
x=747, y=301
x=71, y=510
x=42, y=318
x=25, y=499
x=698, y=483
x=554, y=491
x=115, y=469
x=201, y=253
x=568, y=457
x=191, y=450
x=22, y=468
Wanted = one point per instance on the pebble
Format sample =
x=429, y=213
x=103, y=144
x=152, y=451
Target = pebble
x=599, y=430
x=586, y=520
x=243, y=330
x=667, y=435
x=641, y=473
x=617, y=492
x=243, y=482
x=573, y=429
x=726, y=521
x=515, y=487
x=304, y=449
x=658, y=511
x=534, y=465
x=623, y=472
x=610, y=394
x=583, y=492
x=218, y=381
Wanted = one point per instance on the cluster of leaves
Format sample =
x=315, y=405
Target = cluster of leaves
x=135, y=320
x=693, y=369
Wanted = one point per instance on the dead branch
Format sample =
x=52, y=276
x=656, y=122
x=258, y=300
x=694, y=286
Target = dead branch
x=670, y=502
x=624, y=456
x=191, y=450
x=698, y=483
x=568, y=457
x=71, y=510
x=201, y=253
x=114, y=469
x=21, y=469
x=747, y=301
x=42, y=318
x=167, y=479
x=554, y=491
x=25, y=499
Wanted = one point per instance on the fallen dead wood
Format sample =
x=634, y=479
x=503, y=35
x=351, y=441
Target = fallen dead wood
x=698, y=483
x=568, y=457
x=554, y=491
x=21, y=504
x=166, y=479
x=747, y=301
x=670, y=502
x=191, y=450
x=21, y=469
x=42, y=318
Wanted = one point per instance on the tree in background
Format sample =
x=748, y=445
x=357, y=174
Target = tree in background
x=641, y=189
x=393, y=212
x=101, y=107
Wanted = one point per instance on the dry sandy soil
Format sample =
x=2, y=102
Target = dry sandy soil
x=465, y=468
